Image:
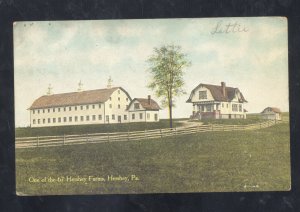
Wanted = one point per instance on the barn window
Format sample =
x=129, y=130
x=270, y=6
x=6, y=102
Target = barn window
x=133, y=116
x=33, y=111
x=113, y=117
x=202, y=94
x=70, y=108
x=141, y=116
x=119, y=106
x=64, y=108
x=148, y=115
x=59, y=109
x=81, y=107
x=81, y=118
x=93, y=106
x=99, y=105
x=48, y=110
x=53, y=109
x=59, y=119
x=87, y=118
x=240, y=108
x=65, y=119
x=44, y=121
x=100, y=117
x=118, y=91
x=110, y=105
x=70, y=119
x=75, y=107
x=125, y=117
x=76, y=118
x=54, y=120
x=136, y=105
x=38, y=111
x=43, y=110
x=118, y=98
x=87, y=107
x=94, y=117
x=49, y=120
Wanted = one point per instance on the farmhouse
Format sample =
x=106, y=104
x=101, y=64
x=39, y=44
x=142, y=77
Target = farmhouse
x=271, y=113
x=217, y=102
x=143, y=110
x=101, y=106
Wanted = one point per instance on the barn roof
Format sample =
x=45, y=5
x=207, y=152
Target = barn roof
x=145, y=103
x=216, y=91
x=75, y=98
x=273, y=109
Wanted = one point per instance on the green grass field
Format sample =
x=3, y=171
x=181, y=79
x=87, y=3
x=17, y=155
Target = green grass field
x=95, y=128
x=204, y=162
x=252, y=118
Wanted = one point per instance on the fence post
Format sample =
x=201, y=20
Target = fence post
x=87, y=137
x=64, y=139
x=37, y=141
x=161, y=133
x=128, y=135
x=145, y=134
x=108, y=136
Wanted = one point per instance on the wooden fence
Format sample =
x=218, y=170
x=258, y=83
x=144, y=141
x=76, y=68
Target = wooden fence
x=46, y=141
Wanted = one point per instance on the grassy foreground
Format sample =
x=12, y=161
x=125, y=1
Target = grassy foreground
x=203, y=162
x=94, y=128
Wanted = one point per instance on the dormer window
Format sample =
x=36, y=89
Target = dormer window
x=136, y=106
x=202, y=94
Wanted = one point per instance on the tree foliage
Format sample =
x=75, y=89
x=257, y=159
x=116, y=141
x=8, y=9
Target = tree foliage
x=166, y=66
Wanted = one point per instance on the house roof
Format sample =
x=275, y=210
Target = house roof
x=75, y=98
x=217, y=93
x=273, y=109
x=145, y=104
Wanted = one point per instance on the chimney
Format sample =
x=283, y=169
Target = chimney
x=223, y=88
x=149, y=100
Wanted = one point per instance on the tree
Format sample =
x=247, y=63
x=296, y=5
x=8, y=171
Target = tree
x=166, y=66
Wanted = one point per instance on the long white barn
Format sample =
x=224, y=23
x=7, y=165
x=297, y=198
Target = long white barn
x=101, y=106
x=217, y=102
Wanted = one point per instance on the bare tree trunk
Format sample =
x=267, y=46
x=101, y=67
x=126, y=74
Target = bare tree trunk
x=170, y=116
x=170, y=111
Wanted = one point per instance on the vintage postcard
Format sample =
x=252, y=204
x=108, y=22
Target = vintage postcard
x=151, y=106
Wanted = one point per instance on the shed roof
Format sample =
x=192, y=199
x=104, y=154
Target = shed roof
x=272, y=109
x=145, y=103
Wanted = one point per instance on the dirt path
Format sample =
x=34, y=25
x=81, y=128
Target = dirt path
x=187, y=123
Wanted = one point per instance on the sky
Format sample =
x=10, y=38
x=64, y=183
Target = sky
x=253, y=58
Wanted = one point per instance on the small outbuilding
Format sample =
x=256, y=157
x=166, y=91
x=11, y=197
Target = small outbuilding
x=143, y=110
x=272, y=113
